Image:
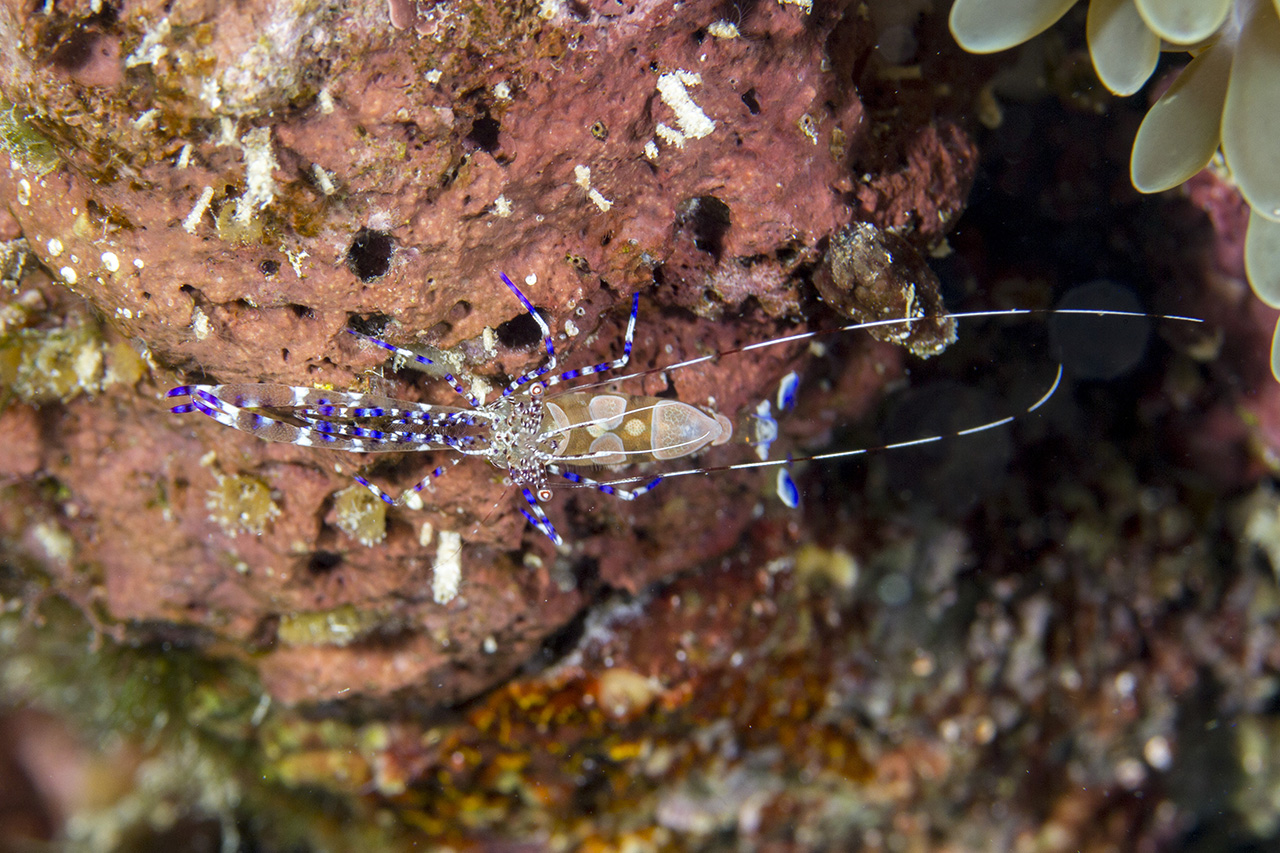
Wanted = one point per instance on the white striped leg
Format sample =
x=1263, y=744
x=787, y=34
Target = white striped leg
x=605, y=366
x=538, y=518
x=348, y=403
x=550, y=364
x=625, y=494
x=407, y=495
x=357, y=439
x=410, y=355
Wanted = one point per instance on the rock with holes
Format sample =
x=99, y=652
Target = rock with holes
x=232, y=186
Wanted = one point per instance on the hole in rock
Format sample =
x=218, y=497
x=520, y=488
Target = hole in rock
x=369, y=256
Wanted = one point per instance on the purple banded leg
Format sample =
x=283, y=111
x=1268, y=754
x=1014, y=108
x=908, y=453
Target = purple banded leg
x=207, y=403
x=410, y=355
x=359, y=439
x=185, y=391
x=319, y=433
x=606, y=366
x=401, y=416
x=538, y=518
x=550, y=365
x=383, y=439
x=624, y=494
x=404, y=496
x=427, y=418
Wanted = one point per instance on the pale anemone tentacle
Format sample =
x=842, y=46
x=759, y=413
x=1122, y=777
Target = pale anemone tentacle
x=1252, y=110
x=1123, y=49
x=1262, y=259
x=1184, y=21
x=988, y=26
x=1227, y=98
x=1180, y=133
x=1275, y=353
x=1262, y=268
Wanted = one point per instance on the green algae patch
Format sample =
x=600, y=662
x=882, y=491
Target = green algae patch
x=340, y=626
x=26, y=146
x=60, y=363
x=361, y=515
x=241, y=504
x=168, y=738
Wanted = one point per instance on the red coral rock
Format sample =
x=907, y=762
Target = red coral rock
x=410, y=159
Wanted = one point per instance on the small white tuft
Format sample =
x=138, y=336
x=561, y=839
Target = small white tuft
x=259, y=163
x=447, y=572
x=295, y=259
x=599, y=200
x=88, y=366
x=669, y=135
x=202, y=204
x=150, y=49
x=323, y=180
x=582, y=177
x=723, y=30
x=211, y=94
x=200, y=323
x=145, y=120
x=56, y=543
x=693, y=122
x=226, y=130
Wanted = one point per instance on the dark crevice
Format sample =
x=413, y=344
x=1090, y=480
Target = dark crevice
x=558, y=644
x=69, y=44
x=484, y=133
x=708, y=219
x=369, y=255
x=372, y=325
x=323, y=562
x=520, y=332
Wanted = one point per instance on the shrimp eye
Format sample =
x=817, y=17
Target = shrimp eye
x=536, y=390
x=544, y=494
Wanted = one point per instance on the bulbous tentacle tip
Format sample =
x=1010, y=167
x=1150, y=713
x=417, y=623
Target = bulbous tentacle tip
x=989, y=26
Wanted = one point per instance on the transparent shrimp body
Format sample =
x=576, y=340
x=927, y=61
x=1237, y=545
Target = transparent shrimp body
x=535, y=435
